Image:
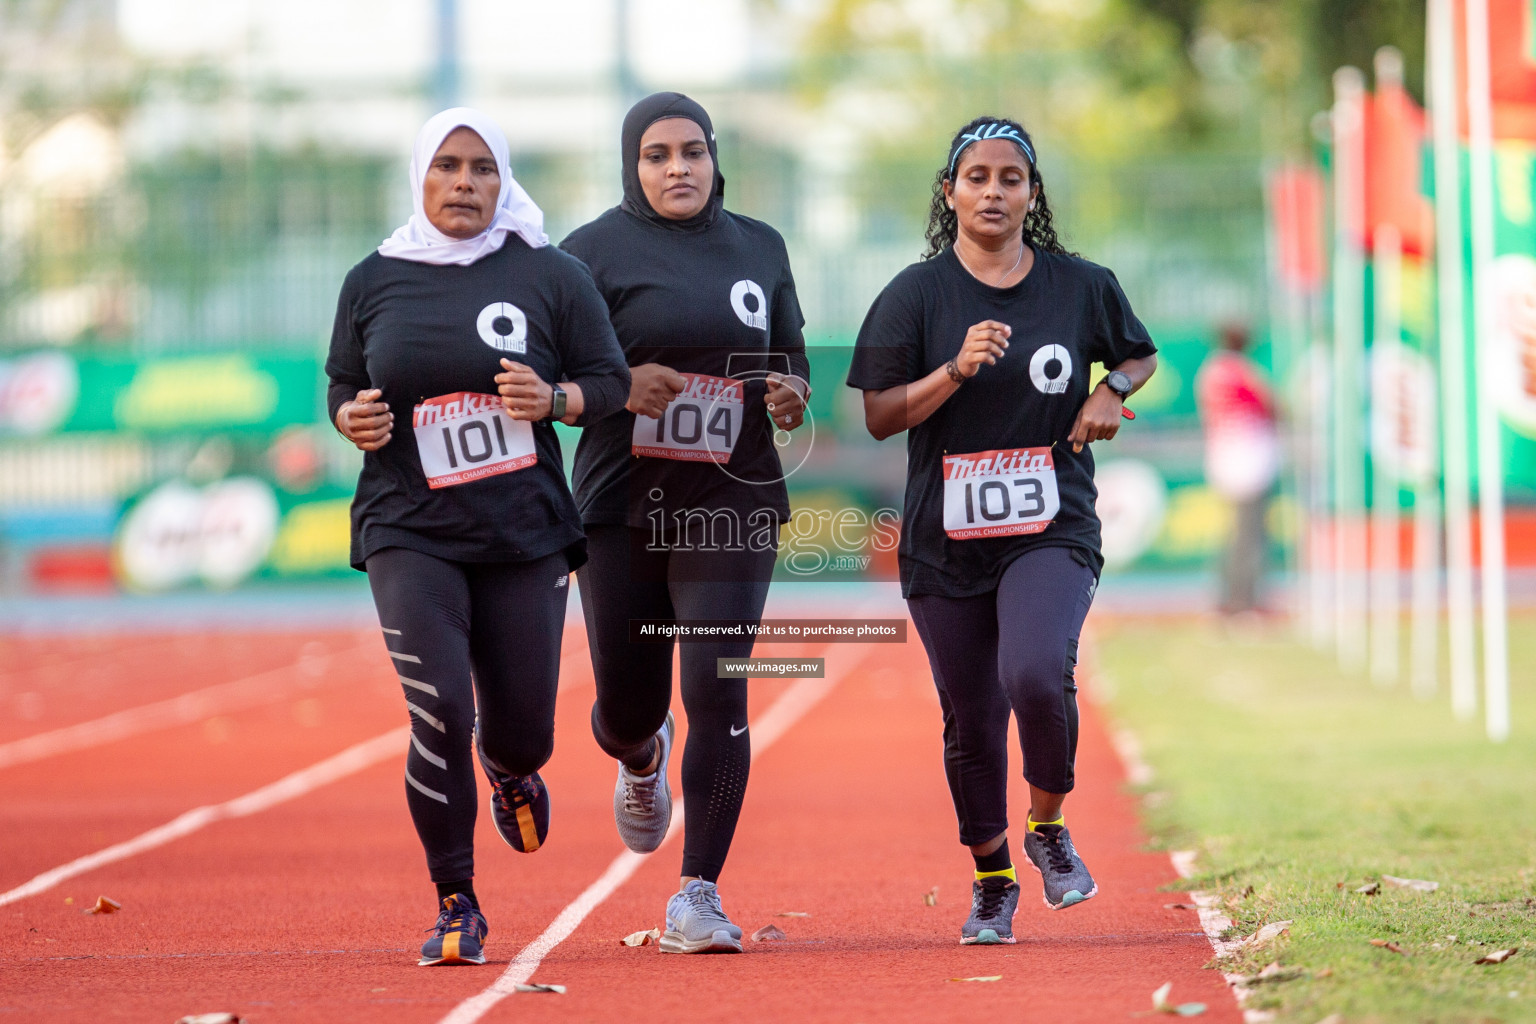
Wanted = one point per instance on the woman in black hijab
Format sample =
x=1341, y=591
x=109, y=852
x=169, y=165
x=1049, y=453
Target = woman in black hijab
x=682, y=493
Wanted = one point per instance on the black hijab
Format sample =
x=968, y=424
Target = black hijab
x=658, y=107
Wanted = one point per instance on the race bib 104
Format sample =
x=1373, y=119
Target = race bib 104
x=465, y=436
x=701, y=425
x=1000, y=493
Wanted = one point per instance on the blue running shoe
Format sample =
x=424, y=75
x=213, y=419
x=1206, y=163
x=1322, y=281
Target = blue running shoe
x=696, y=923
x=993, y=902
x=642, y=804
x=457, y=936
x=1065, y=876
x=519, y=806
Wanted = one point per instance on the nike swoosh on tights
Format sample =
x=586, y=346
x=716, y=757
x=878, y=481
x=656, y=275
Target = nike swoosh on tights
x=737, y=732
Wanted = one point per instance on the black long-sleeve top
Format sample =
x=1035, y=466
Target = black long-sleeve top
x=420, y=331
x=718, y=301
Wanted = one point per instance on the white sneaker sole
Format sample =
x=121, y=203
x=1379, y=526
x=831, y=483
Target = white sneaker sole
x=456, y=961
x=988, y=937
x=720, y=942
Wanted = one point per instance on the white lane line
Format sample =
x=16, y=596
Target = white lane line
x=238, y=695
x=222, y=698
x=770, y=725
x=350, y=761
x=1213, y=922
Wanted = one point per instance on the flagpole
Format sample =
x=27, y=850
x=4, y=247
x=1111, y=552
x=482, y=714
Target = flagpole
x=1490, y=463
x=1449, y=280
x=1424, y=628
x=1424, y=643
x=1350, y=587
x=1386, y=604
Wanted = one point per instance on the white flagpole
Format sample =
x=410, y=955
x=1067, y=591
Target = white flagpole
x=1318, y=401
x=1453, y=358
x=1490, y=464
x=1424, y=645
x=1350, y=587
x=1386, y=570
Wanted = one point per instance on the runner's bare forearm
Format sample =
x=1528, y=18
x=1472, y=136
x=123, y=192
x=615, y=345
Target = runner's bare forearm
x=892, y=410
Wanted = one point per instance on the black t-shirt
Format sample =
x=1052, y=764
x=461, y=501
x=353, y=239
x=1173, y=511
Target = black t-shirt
x=720, y=302
x=419, y=331
x=1029, y=399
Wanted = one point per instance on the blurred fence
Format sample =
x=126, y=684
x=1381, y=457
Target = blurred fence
x=161, y=341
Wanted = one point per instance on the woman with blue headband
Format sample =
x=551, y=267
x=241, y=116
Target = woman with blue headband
x=999, y=550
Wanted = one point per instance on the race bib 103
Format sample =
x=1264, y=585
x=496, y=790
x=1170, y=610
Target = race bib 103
x=701, y=425
x=999, y=493
x=465, y=436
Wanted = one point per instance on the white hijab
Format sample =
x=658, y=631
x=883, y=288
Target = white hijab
x=417, y=240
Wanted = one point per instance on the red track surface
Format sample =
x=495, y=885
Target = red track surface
x=312, y=910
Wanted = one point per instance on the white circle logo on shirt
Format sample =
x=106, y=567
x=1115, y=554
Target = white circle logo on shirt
x=1040, y=369
x=750, y=306
x=503, y=327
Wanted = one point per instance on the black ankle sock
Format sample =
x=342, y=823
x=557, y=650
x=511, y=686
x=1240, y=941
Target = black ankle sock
x=466, y=888
x=998, y=860
x=638, y=763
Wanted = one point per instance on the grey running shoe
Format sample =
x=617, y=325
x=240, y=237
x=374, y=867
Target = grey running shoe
x=642, y=804
x=1066, y=878
x=993, y=901
x=696, y=923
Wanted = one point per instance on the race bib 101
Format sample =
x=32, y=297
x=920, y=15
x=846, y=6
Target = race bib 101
x=997, y=494
x=701, y=425
x=465, y=436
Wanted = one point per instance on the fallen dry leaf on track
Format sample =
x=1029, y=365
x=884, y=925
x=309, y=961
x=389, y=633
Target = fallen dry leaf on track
x=769, y=933
x=1369, y=889
x=931, y=897
x=990, y=977
x=1181, y=906
x=1391, y=946
x=1498, y=957
x=1416, y=884
x=641, y=938
x=558, y=990
x=103, y=906
x=210, y=1018
x=792, y=913
x=1160, y=1003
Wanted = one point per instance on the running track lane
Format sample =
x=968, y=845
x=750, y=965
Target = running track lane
x=309, y=911
x=849, y=819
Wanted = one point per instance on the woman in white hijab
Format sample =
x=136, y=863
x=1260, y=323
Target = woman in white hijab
x=470, y=323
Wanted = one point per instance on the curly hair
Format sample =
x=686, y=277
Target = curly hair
x=943, y=224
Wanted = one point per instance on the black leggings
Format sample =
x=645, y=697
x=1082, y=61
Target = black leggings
x=1013, y=648
x=460, y=634
x=624, y=580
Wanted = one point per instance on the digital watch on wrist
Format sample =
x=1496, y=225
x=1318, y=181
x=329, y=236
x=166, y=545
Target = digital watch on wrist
x=557, y=399
x=1120, y=383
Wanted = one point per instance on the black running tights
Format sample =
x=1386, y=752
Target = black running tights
x=1013, y=649
x=463, y=636
x=624, y=580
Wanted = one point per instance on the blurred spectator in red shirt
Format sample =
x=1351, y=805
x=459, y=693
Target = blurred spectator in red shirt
x=1242, y=459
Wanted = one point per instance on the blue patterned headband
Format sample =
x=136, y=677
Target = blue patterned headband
x=995, y=130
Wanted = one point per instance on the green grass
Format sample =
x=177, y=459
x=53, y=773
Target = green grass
x=1291, y=777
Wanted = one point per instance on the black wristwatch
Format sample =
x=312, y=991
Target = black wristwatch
x=1120, y=383
x=557, y=402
